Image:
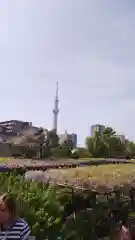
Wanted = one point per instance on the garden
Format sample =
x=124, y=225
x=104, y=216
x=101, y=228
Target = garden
x=82, y=194
x=86, y=201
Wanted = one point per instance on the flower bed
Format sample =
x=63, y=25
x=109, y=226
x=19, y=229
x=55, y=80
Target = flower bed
x=98, y=178
x=27, y=164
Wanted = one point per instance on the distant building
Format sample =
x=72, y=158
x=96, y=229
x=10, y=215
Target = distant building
x=74, y=139
x=31, y=130
x=66, y=137
x=13, y=126
x=97, y=128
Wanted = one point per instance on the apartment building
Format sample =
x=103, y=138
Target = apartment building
x=13, y=126
x=72, y=138
x=97, y=128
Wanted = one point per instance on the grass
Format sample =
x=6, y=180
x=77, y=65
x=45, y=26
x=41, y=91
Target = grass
x=5, y=159
x=112, y=174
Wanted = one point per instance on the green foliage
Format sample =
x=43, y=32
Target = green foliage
x=55, y=213
x=107, y=144
x=130, y=150
x=52, y=138
x=39, y=205
x=60, y=152
x=38, y=144
x=82, y=152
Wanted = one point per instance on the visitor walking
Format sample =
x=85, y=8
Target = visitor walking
x=125, y=232
x=11, y=226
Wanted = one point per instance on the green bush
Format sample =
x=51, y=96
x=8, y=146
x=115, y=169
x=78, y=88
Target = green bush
x=60, y=152
x=39, y=205
x=82, y=153
x=61, y=212
x=46, y=152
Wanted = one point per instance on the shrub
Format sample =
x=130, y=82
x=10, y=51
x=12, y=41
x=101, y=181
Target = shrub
x=82, y=153
x=54, y=212
x=60, y=152
x=39, y=205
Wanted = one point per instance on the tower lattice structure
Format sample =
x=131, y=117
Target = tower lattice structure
x=56, y=110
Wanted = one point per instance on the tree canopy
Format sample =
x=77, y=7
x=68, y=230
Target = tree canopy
x=107, y=144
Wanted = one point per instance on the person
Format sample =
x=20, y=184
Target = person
x=124, y=233
x=12, y=226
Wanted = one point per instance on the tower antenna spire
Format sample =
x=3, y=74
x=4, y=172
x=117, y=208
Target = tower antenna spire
x=56, y=109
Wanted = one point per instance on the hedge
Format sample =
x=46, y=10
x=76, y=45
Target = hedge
x=60, y=152
x=63, y=213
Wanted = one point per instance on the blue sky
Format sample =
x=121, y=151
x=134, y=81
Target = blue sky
x=86, y=45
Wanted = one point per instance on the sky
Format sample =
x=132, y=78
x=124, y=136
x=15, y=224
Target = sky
x=88, y=46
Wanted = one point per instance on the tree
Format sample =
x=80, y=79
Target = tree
x=108, y=131
x=47, y=140
x=116, y=147
x=109, y=139
x=43, y=139
x=106, y=144
x=96, y=145
x=53, y=138
x=130, y=148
